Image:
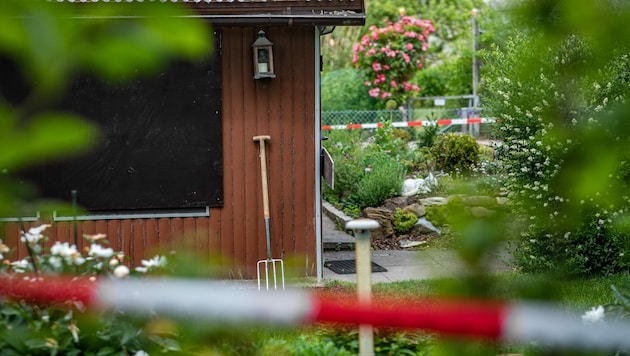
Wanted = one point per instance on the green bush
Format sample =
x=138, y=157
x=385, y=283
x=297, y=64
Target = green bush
x=344, y=90
x=404, y=221
x=345, y=148
x=64, y=328
x=381, y=180
x=592, y=247
x=455, y=153
x=563, y=151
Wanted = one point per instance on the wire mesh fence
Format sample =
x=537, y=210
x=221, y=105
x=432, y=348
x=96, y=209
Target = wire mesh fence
x=376, y=116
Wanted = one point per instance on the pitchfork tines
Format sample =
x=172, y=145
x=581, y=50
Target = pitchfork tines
x=273, y=262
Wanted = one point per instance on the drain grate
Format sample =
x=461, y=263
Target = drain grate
x=350, y=267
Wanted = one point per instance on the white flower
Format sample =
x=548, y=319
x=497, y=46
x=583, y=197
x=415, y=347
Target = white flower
x=157, y=261
x=69, y=252
x=3, y=249
x=141, y=353
x=34, y=234
x=20, y=266
x=74, y=330
x=594, y=316
x=95, y=237
x=121, y=271
x=97, y=250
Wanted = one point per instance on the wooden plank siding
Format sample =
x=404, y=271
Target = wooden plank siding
x=284, y=108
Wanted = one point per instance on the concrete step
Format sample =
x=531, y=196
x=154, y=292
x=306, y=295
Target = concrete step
x=333, y=238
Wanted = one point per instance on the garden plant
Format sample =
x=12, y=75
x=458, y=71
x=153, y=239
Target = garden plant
x=67, y=328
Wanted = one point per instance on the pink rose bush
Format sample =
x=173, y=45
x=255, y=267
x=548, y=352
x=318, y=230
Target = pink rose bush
x=389, y=56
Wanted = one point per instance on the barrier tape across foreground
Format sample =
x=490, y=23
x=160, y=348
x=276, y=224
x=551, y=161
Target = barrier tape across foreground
x=494, y=320
x=441, y=122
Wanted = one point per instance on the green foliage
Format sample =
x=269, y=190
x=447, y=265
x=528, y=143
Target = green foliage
x=387, y=140
x=381, y=180
x=386, y=342
x=557, y=129
x=404, y=221
x=455, y=153
x=369, y=170
x=65, y=328
x=428, y=134
x=593, y=246
x=345, y=148
x=343, y=90
x=561, y=103
x=433, y=81
x=50, y=43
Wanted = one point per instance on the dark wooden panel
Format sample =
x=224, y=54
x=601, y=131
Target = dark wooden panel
x=113, y=235
x=232, y=62
x=126, y=239
x=138, y=247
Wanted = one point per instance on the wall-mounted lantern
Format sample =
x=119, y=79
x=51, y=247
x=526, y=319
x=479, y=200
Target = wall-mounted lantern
x=263, y=57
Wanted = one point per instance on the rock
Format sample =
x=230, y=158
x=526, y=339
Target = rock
x=417, y=209
x=502, y=201
x=424, y=227
x=385, y=218
x=410, y=243
x=481, y=212
x=480, y=200
x=433, y=201
x=398, y=202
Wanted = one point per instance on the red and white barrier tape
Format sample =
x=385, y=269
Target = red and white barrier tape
x=494, y=320
x=441, y=122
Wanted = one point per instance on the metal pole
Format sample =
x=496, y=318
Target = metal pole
x=362, y=228
x=475, y=68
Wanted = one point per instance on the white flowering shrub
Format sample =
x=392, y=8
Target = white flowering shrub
x=27, y=328
x=554, y=128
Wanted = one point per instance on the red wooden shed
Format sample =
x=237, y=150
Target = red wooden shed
x=226, y=219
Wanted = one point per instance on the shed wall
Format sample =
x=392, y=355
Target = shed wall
x=234, y=235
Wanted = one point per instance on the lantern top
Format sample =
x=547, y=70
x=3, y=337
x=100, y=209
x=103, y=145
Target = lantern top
x=262, y=41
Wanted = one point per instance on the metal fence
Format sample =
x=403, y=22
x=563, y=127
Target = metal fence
x=376, y=116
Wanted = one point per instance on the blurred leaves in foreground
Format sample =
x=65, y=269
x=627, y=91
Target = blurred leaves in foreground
x=49, y=44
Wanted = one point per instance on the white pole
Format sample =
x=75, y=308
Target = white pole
x=361, y=228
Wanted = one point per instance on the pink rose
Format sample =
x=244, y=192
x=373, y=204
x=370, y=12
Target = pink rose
x=376, y=67
x=374, y=92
